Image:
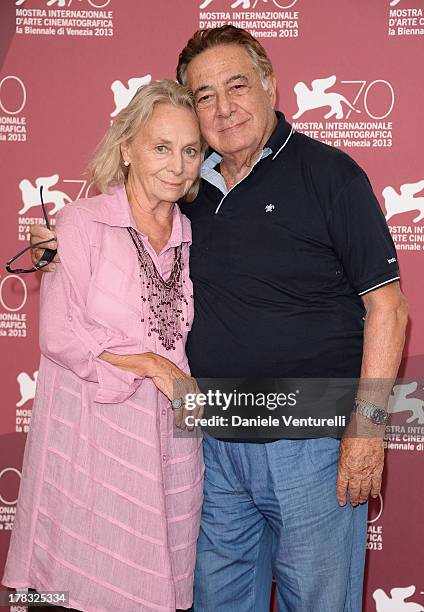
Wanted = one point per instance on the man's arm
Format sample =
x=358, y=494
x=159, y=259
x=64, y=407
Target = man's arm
x=361, y=450
x=384, y=338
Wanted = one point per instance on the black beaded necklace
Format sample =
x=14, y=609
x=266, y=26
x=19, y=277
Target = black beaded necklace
x=165, y=298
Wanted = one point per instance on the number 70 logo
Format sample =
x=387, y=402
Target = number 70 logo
x=366, y=91
x=321, y=95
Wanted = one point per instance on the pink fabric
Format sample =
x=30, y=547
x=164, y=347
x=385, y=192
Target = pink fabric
x=110, y=500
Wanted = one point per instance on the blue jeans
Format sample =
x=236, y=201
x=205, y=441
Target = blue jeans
x=271, y=510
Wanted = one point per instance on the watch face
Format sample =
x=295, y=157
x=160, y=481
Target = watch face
x=378, y=415
x=177, y=403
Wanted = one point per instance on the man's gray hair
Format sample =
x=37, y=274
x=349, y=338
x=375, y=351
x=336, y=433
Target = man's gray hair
x=225, y=35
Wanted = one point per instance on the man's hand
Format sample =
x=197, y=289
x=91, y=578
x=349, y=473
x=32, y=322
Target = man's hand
x=361, y=458
x=38, y=233
x=361, y=465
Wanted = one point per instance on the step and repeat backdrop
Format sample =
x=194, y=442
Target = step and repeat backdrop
x=349, y=73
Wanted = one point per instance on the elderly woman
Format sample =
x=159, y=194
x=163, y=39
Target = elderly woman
x=110, y=500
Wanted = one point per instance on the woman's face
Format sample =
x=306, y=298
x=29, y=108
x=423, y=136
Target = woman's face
x=164, y=156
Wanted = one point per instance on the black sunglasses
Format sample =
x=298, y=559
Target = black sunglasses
x=48, y=254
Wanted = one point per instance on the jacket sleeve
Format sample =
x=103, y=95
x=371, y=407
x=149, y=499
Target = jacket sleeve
x=67, y=334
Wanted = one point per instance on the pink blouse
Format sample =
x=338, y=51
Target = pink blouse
x=110, y=498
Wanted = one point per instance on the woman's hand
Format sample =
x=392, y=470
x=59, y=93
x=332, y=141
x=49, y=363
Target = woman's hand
x=176, y=384
x=168, y=378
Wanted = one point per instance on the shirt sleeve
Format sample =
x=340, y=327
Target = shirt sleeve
x=67, y=334
x=361, y=237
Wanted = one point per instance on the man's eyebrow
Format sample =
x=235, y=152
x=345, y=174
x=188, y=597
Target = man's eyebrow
x=236, y=77
x=201, y=88
x=231, y=79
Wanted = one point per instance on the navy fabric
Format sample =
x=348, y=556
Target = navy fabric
x=278, y=271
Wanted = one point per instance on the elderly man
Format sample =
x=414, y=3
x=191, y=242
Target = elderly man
x=290, y=250
x=295, y=275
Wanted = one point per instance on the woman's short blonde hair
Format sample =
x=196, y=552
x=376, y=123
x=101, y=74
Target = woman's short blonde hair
x=107, y=166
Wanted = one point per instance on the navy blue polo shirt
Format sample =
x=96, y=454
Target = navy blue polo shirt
x=280, y=261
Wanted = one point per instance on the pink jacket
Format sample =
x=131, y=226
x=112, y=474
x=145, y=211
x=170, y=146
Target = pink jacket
x=110, y=499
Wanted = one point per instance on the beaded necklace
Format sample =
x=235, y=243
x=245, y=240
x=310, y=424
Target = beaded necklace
x=165, y=298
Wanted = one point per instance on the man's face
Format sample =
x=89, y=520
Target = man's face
x=234, y=110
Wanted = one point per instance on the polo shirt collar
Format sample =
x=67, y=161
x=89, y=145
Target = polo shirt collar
x=114, y=210
x=280, y=134
x=275, y=142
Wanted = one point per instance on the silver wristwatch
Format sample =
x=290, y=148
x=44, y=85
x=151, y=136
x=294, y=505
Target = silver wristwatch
x=370, y=411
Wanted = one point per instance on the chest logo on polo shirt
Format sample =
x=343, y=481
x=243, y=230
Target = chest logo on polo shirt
x=269, y=207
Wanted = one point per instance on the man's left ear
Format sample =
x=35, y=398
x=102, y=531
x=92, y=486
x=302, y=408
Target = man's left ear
x=272, y=88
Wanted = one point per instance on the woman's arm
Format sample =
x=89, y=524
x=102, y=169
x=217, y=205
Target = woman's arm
x=168, y=378
x=68, y=336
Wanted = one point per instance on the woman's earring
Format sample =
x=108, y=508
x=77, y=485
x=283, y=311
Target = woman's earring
x=126, y=163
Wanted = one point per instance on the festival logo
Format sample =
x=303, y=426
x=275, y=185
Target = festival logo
x=13, y=297
x=375, y=529
x=31, y=194
x=27, y=386
x=262, y=18
x=5, y=477
x=375, y=509
x=405, y=22
x=10, y=479
x=351, y=113
x=405, y=201
x=55, y=196
x=406, y=434
x=82, y=18
x=396, y=601
x=123, y=95
x=13, y=98
x=68, y=3
x=400, y=401
x=318, y=97
x=408, y=201
x=251, y=4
